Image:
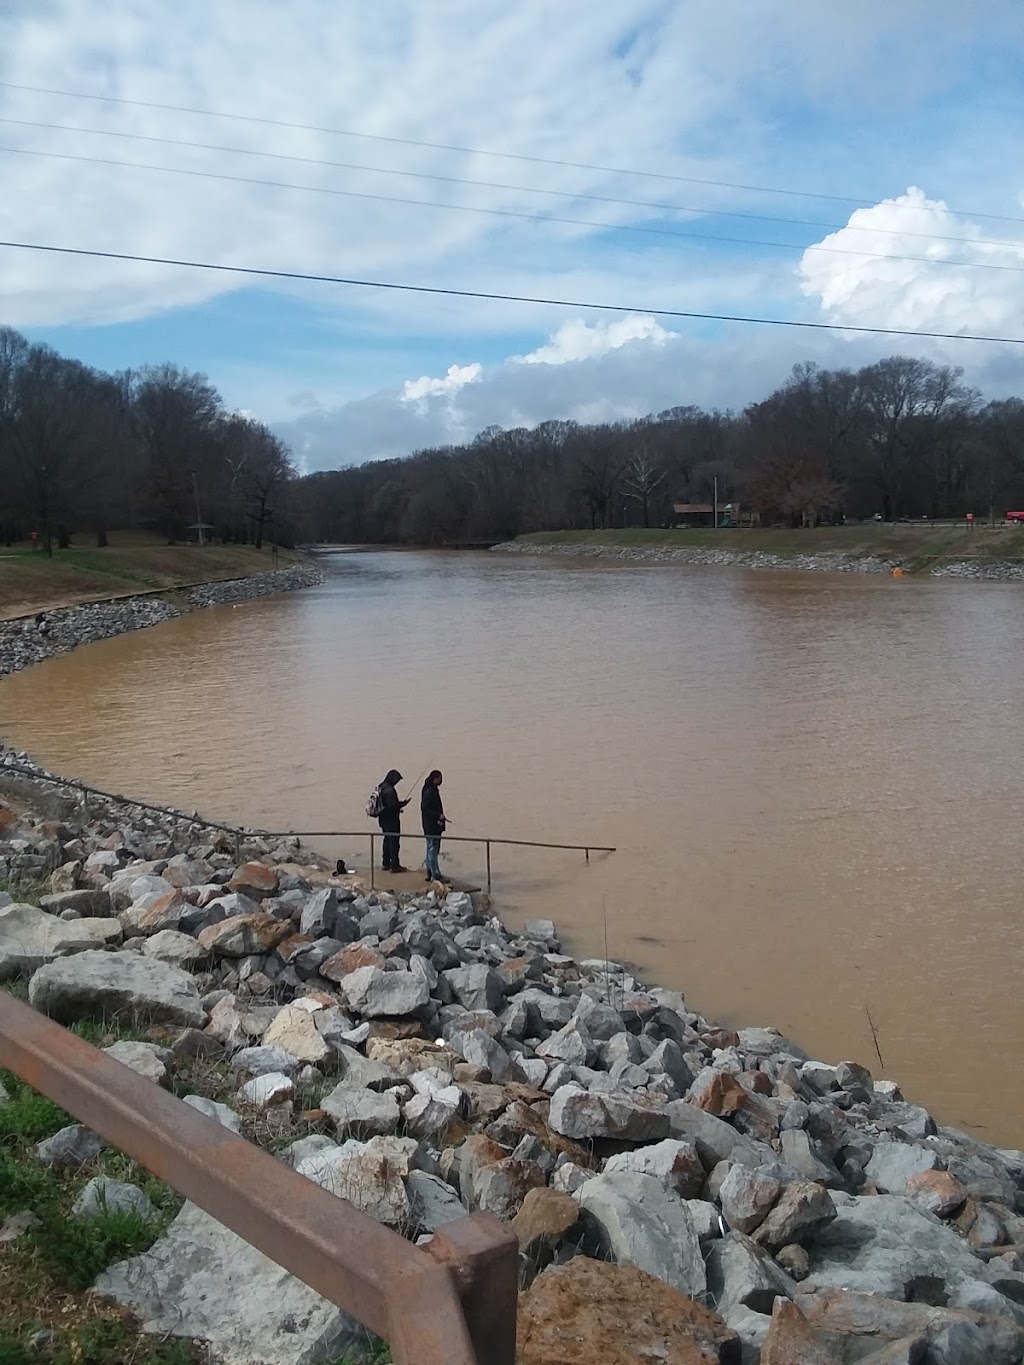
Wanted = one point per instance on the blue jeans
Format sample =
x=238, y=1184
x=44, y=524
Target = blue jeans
x=433, y=852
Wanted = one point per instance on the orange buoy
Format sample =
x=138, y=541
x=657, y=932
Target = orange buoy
x=897, y=573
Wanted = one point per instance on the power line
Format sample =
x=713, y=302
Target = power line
x=680, y=233
x=577, y=305
x=477, y=151
x=492, y=184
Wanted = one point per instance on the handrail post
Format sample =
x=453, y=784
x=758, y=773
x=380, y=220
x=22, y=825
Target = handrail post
x=487, y=843
x=372, y=836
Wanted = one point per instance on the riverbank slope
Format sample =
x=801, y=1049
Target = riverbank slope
x=414, y=1056
x=949, y=550
x=30, y=581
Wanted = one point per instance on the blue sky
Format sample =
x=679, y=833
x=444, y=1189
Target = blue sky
x=908, y=114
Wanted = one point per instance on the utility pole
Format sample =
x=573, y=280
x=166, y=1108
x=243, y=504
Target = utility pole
x=716, y=502
x=199, y=518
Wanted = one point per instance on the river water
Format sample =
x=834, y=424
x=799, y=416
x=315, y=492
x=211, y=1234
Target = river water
x=815, y=783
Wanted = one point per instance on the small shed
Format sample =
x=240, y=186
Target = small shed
x=694, y=514
x=199, y=532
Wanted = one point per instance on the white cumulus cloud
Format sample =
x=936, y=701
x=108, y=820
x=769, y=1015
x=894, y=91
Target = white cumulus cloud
x=457, y=377
x=579, y=340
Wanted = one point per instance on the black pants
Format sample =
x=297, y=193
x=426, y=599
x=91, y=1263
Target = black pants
x=391, y=829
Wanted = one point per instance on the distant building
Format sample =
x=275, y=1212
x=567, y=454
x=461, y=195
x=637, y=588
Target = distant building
x=694, y=513
x=199, y=533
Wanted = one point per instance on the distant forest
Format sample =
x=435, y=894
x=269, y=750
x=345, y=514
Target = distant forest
x=82, y=452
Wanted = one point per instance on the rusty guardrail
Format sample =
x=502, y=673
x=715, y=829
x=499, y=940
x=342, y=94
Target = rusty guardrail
x=451, y=1303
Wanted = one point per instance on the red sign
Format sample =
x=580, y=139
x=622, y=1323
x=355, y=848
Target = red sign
x=970, y=516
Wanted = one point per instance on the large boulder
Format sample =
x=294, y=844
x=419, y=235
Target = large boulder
x=107, y=984
x=202, y=1281
x=641, y=1224
x=244, y=935
x=381, y=995
x=617, y=1315
x=579, y=1113
x=369, y=1175
x=30, y=937
x=883, y=1244
x=674, y=1163
x=893, y=1164
x=294, y=1030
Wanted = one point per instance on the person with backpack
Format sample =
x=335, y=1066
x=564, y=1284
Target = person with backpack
x=432, y=811
x=386, y=806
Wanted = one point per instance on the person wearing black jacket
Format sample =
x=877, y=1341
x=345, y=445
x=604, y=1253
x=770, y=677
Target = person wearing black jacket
x=390, y=820
x=432, y=812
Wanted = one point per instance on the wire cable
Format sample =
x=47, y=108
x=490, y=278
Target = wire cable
x=680, y=233
x=647, y=204
x=577, y=305
x=476, y=151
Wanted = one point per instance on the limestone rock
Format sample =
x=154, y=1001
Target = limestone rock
x=432, y=1202
x=476, y=987
x=106, y=984
x=102, y=1196
x=365, y=1113
x=803, y=1209
x=543, y=1220
x=262, y=1061
x=579, y=1113
x=350, y=959
x=740, y=1274
x=747, y=1196
x=267, y=1089
x=502, y=1187
x=147, y=1059
x=30, y=937
x=85, y=903
x=255, y=880
x=69, y=1148
x=893, y=1163
x=220, y=1113
x=673, y=1162
x=571, y=1044
x=202, y=1281
x=294, y=1030
x=369, y=1175
x=244, y=935
x=937, y=1192
x=169, y=945
x=378, y=994
x=153, y=914
x=589, y=1311
x=641, y=1224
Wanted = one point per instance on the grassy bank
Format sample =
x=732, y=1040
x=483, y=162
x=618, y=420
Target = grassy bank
x=29, y=581
x=917, y=546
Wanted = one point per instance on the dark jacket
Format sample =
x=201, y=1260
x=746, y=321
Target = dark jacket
x=432, y=810
x=390, y=817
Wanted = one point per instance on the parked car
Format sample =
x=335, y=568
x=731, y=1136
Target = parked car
x=1016, y=516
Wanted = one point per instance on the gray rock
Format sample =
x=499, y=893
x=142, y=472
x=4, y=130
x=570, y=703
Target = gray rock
x=802, y=1210
x=429, y=1116
x=220, y=1113
x=984, y=1298
x=553, y=1011
x=30, y=937
x=893, y=1163
x=70, y=1148
x=882, y=1244
x=202, y=1281
x=262, y=1061
x=747, y=1195
x=371, y=1175
x=579, y=1113
x=267, y=1089
x=432, y=1202
x=303, y=1148
x=477, y=987
x=741, y=1274
x=602, y=1021
x=378, y=994
x=481, y=1050
x=94, y=983
x=714, y=1139
x=85, y=903
x=667, y=1060
x=802, y=1154
x=102, y=1196
x=170, y=945
x=366, y=1113
x=571, y=1044
x=501, y=1187
x=643, y=1225
x=673, y=1162
x=363, y=1073
x=146, y=1059
x=317, y=918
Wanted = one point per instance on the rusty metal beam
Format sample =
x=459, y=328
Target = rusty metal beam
x=400, y=1292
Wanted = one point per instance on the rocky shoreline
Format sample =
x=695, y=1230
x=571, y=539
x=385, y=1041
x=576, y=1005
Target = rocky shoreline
x=831, y=561
x=680, y=1192
x=28, y=641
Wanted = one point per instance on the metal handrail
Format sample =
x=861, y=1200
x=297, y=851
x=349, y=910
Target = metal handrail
x=239, y=833
x=450, y=1303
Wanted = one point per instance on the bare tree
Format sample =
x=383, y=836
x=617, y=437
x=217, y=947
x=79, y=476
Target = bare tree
x=641, y=479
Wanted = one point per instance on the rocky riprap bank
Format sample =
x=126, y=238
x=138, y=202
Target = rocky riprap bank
x=681, y=1192
x=26, y=642
x=831, y=561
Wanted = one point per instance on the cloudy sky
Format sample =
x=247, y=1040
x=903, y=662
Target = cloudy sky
x=856, y=165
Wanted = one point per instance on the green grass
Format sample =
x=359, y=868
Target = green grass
x=100, y=1341
x=917, y=547
x=378, y=1353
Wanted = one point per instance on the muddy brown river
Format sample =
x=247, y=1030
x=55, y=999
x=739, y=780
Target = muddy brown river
x=814, y=783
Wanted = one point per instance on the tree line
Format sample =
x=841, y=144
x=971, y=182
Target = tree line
x=904, y=437
x=82, y=451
